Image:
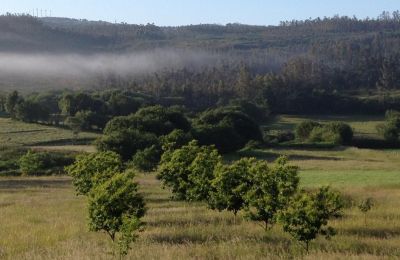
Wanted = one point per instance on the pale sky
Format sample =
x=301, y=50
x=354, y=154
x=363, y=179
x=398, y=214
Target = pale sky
x=184, y=12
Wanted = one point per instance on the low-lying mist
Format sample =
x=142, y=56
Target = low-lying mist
x=73, y=65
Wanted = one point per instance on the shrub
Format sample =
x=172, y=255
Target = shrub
x=343, y=130
x=324, y=135
x=391, y=128
x=43, y=163
x=304, y=129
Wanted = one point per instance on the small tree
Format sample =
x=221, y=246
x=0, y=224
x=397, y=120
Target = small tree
x=147, y=160
x=202, y=173
x=308, y=214
x=75, y=124
x=365, y=206
x=188, y=171
x=271, y=189
x=91, y=169
x=230, y=185
x=174, y=169
x=116, y=207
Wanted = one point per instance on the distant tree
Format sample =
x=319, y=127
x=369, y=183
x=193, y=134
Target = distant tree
x=3, y=99
x=175, y=140
x=115, y=207
x=11, y=102
x=147, y=160
x=93, y=169
x=308, y=214
x=365, y=206
x=228, y=128
x=391, y=128
x=29, y=111
x=123, y=105
x=271, y=190
x=75, y=124
x=304, y=129
x=127, y=142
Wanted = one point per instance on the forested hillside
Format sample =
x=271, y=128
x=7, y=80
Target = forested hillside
x=338, y=64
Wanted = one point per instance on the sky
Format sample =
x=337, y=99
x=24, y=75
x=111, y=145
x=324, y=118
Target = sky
x=185, y=12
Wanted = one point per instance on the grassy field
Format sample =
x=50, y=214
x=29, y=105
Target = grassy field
x=41, y=218
x=15, y=133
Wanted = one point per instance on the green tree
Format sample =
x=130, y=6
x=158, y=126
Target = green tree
x=30, y=111
x=271, y=190
x=11, y=102
x=127, y=142
x=90, y=170
x=308, y=214
x=202, y=173
x=230, y=185
x=174, y=169
x=75, y=124
x=115, y=207
x=147, y=160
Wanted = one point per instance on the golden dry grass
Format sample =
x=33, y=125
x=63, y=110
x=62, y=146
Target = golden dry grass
x=41, y=218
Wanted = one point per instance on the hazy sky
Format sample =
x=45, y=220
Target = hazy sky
x=182, y=12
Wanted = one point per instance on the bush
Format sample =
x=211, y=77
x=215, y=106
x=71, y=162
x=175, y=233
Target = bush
x=324, y=135
x=304, y=129
x=343, y=130
x=332, y=132
x=391, y=128
x=43, y=163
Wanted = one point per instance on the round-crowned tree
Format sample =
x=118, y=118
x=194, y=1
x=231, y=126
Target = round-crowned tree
x=308, y=214
x=116, y=207
x=93, y=169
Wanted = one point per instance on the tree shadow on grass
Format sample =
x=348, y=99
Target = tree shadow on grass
x=382, y=233
x=17, y=184
x=271, y=156
x=199, y=238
